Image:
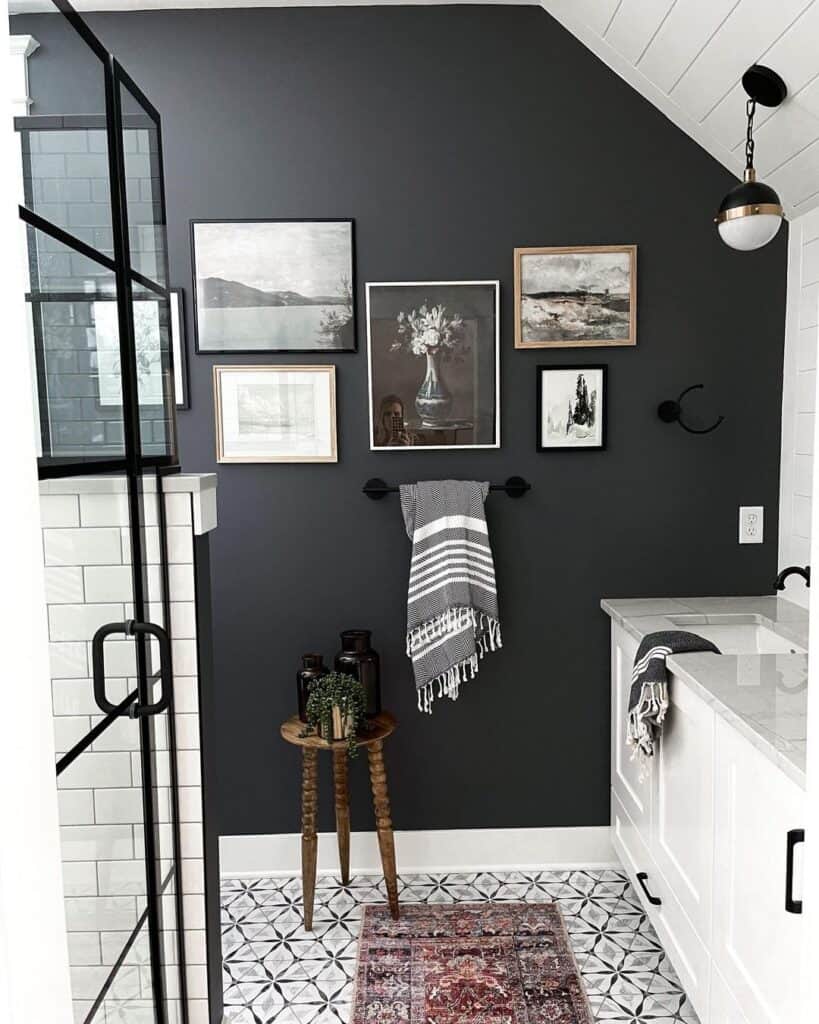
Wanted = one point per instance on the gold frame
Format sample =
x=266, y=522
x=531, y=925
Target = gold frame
x=330, y=370
x=539, y=250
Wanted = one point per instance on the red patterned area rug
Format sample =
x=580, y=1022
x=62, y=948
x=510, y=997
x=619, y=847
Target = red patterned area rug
x=467, y=963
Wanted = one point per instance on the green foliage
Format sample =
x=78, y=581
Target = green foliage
x=336, y=689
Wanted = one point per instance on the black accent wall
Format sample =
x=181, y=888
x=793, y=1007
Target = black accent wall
x=452, y=135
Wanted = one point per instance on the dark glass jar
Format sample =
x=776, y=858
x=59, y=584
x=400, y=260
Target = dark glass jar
x=313, y=667
x=358, y=659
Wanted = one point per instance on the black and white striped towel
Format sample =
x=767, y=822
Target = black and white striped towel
x=648, y=698
x=452, y=602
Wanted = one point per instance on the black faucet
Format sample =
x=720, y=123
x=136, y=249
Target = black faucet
x=793, y=570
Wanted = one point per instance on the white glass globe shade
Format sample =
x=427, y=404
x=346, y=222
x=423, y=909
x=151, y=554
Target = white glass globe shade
x=751, y=232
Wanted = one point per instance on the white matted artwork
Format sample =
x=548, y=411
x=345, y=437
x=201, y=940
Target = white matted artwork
x=275, y=413
x=571, y=407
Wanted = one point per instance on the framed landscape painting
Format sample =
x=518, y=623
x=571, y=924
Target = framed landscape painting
x=434, y=365
x=571, y=407
x=576, y=296
x=274, y=286
x=275, y=413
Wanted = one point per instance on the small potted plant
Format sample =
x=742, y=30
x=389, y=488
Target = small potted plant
x=336, y=707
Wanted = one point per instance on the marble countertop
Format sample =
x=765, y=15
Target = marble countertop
x=763, y=695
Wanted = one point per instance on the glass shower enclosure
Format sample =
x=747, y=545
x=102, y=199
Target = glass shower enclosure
x=99, y=319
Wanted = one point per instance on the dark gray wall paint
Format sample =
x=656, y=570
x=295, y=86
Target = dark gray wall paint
x=452, y=135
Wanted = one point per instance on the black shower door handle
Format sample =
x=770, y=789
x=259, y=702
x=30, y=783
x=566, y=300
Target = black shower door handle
x=131, y=628
x=795, y=836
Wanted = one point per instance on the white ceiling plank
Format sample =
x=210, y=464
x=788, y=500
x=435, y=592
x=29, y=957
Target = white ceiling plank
x=794, y=56
x=679, y=40
x=634, y=25
x=596, y=14
x=798, y=179
x=794, y=128
x=745, y=34
x=41, y=6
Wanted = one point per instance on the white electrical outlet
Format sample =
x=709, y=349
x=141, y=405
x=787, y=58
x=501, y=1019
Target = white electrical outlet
x=751, y=524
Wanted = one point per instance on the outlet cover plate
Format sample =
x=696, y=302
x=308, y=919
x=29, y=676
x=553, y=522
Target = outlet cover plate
x=751, y=524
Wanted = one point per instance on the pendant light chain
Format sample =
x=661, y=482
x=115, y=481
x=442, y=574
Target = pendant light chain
x=750, y=110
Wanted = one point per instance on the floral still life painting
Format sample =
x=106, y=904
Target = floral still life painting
x=433, y=358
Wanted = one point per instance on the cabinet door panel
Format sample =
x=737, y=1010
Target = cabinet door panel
x=683, y=820
x=634, y=793
x=756, y=943
x=723, y=1008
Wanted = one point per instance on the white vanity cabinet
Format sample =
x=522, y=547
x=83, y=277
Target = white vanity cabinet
x=703, y=838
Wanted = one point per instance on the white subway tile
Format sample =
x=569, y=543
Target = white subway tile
x=180, y=544
x=178, y=510
x=195, y=947
x=69, y=730
x=86, y=982
x=84, y=949
x=151, y=549
x=181, y=582
x=806, y=391
x=184, y=657
x=120, y=657
x=58, y=510
x=121, y=878
x=118, y=806
x=113, y=943
x=803, y=444
x=187, y=732
x=801, y=516
x=68, y=661
x=189, y=767
x=80, y=878
x=93, y=771
x=186, y=694
x=191, y=840
x=76, y=806
x=64, y=585
x=108, y=583
x=197, y=979
x=121, y=734
x=97, y=842
x=101, y=913
x=104, y=510
x=193, y=909
x=193, y=875
x=81, y=1008
x=183, y=620
x=190, y=803
x=69, y=622
x=198, y=1012
x=82, y=546
x=76, y=696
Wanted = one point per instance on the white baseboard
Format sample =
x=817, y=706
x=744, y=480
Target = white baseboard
x=434, y=850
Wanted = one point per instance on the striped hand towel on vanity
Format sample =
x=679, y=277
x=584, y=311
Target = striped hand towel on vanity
x=452, y=601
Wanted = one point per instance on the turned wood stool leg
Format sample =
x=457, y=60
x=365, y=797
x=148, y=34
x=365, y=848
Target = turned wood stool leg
x=381, y=802
x=309, y=840
x=342, y=812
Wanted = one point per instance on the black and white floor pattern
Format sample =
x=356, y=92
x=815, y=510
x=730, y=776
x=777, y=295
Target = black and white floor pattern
x=275, y=971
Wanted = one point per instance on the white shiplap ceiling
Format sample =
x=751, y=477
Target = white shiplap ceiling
x=685, y=56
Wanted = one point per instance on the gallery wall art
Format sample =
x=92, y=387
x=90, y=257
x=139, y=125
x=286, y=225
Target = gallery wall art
x=433, y=357
x=575, y=296
x=180, y=348
x=275, y=413
x=571, y=407
x=274, y=286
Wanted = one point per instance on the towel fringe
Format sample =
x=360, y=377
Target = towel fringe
x=454, y=620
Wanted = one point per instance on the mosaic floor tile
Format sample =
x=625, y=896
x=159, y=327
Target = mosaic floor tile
x=276, y=973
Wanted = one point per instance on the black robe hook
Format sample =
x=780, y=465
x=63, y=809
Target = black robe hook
x=670, y=411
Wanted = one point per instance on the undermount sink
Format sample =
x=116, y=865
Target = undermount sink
x=737, y=634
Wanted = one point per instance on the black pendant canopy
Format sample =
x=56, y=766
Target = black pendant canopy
x=764, y=85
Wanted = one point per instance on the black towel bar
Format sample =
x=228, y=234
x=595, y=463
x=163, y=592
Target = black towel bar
x=515, y=487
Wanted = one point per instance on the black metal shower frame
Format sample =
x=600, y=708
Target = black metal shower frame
x=134, y=466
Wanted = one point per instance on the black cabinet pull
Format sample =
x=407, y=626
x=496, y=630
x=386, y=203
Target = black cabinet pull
x=795, y=836
x=642, y=878
x=131, y=628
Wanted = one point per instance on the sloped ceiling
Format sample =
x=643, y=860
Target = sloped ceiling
x=685, y=56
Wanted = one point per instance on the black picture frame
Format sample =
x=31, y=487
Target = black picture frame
x=180, y=350
x=275, y=351
x=602, y=368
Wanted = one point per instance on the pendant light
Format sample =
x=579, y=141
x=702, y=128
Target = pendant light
x=750, y=215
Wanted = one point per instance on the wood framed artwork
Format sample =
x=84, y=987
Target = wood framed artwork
x=434, y=364
x=571, y=407
x=274, y=286
x=575, y=296
x=275, y=413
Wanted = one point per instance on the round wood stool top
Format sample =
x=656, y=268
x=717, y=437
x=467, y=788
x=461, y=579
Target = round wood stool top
x=380, y=727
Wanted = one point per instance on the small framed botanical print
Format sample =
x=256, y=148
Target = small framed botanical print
x=275, y=413
x=576, y=296
x=571, y=407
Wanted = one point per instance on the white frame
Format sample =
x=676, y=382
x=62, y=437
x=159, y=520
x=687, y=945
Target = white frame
x=432, y=447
